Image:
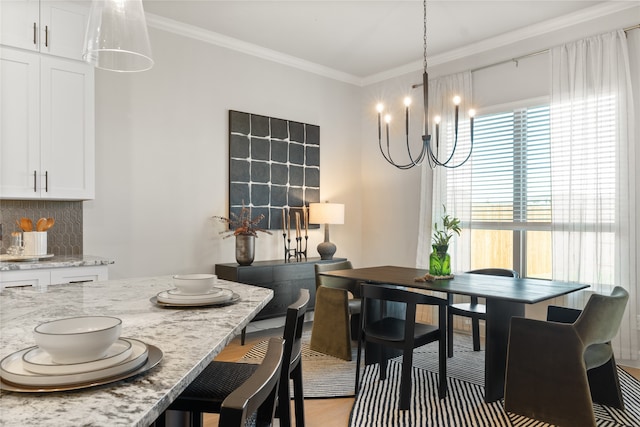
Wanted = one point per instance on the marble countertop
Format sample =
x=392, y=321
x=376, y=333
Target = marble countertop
x=189, y=339
x=56, y=262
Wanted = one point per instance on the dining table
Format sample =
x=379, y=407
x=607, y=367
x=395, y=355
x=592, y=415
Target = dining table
x=182, y=341
x=505, y=298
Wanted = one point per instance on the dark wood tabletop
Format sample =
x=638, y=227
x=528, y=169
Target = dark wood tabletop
x=527, y=291
x=505, y=297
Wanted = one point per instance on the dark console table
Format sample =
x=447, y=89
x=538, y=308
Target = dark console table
x=285, y=278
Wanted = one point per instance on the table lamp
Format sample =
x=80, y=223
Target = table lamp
x=326, y=213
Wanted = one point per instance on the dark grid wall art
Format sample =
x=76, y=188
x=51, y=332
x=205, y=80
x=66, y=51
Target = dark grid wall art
x=273, y=164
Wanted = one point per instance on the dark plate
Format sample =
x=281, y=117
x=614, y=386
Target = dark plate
x=154, y=357
x=235, y=298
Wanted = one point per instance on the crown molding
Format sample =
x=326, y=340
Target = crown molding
x=595, y=12
x=227, y=42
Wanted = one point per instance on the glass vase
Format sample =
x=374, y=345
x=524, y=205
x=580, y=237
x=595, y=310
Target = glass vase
x=439, y=261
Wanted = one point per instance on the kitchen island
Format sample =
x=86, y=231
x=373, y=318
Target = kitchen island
x=189, y=338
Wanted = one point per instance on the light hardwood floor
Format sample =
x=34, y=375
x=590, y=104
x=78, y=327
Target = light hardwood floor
x=318, y=412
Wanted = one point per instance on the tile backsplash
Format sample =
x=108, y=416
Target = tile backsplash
x=64, y=238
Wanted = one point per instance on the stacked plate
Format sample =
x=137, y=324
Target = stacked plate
x=36, y=368
x=195, y=290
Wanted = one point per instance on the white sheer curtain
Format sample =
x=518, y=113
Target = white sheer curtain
x=446, y=190
x=594, y=194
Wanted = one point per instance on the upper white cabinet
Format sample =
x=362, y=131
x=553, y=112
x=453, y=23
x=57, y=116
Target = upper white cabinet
x=47, y=142
x=52, y=27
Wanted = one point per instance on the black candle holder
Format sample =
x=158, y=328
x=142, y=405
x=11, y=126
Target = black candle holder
x=297, y=252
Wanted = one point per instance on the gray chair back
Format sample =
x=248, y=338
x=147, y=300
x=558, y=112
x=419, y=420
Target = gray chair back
x=601, y=317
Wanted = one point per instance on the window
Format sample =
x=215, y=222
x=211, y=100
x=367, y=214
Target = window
x=517, y=176
x=510, y=182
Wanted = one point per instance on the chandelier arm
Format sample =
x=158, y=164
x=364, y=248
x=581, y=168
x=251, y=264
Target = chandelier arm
x=389, y=159
x=462, y=162
x=447, y=165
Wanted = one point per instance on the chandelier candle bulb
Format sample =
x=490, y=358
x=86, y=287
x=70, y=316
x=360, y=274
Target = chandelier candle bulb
x=379, y=108
x=407, y=102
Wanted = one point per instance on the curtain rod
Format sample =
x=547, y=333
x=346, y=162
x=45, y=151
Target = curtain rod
x=518, y=58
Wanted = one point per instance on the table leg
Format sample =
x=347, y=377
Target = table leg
x=499, y=314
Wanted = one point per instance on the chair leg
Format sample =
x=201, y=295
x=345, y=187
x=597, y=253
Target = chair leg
x=475, y=326
x=383, y=361
x=298, y=395
x=442, y=370
x=196, y=419
x=284, y=403
x=604, y=385
x=449, y=335
x=354, y=325
x=405, y=380
x=357, y=385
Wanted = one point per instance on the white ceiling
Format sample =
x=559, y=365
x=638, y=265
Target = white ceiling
x=362, y=38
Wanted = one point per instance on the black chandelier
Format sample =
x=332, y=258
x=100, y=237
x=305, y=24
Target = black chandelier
x=427, y=140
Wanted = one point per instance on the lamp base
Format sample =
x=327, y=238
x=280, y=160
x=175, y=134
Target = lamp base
x=326, y=250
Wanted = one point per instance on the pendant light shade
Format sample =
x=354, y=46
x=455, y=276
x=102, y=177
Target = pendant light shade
x=117, y=37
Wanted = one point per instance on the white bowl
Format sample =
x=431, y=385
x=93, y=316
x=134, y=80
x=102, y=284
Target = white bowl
x=78, y=339
x=194, y=283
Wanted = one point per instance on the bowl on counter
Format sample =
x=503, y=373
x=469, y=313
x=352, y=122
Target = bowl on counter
x=194, y=283
x=78, y=339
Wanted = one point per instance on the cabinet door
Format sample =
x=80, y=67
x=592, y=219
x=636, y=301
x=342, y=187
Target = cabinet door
x=62, y=28
x=18, y=278
x=67, y=138
x=19, y=23
x=79, y=274
x=19, y=123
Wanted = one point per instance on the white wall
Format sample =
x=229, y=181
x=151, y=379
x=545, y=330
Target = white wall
x=162, y=155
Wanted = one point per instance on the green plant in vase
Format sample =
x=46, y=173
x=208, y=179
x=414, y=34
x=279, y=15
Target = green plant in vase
x=440, y=260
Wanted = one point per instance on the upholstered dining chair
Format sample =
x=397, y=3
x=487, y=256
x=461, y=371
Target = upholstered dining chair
x=472, y=309
x=258, y=394
x=336, y=315
x=405, y=334
x=207, y=392
x=557, y=368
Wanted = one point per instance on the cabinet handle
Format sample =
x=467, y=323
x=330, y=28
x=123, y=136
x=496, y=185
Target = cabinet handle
x=46, y=35
x=35, y=181
x=46, y=181
x=35, y=33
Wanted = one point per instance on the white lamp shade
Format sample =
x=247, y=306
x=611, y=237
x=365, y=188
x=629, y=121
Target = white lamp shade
x=326, y=213
x=117, y=37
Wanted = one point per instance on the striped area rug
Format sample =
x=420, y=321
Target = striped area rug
x=377, y=403
x=326, y=376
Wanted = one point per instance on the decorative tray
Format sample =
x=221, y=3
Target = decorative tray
x=8, y=257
